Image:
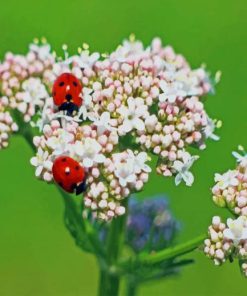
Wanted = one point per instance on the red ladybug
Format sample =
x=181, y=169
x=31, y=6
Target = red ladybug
x=69, y=174
x=67, y=93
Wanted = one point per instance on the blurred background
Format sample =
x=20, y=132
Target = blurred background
x=37, y=254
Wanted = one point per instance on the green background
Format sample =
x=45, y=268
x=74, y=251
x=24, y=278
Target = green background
x=37, y=254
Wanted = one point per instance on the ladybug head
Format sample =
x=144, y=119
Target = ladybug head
x=67, y=93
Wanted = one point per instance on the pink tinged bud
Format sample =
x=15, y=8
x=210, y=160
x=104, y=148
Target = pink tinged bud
x=216, y=221
x=109, y=147
x=97, y=86
x=118, y=190
x=95, y=172
x=113, y=184
x=139, y=185
x=102, y=140
x=219, y=254
x=87, y=202
x=211, y=251
x=111, y=107
x=112, y=205
x=157, y=149
x=115, y=66
x=126, y=192
x=244, y=211
x=103, y=204
x=167, y=173
x=172, y=156
x=110, y=214
x=226, y=246
x=197, y=136
x=47, y=177
x=108, y=81
x=189, y=140
x=127, y=88
x=167, y=140
x=126, y=68
x=55, y=124
x=47, y=130
x=156, y=139
x=144, y=177
x=242, y=201
x=164, y=153
x=214, y=235
x=120, y=210
x=176, y=136
x=120, y=90
x=94, y=206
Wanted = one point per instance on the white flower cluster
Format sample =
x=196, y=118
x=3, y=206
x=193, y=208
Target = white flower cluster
x=146, y=98
x=227, y=241
x=230, y=191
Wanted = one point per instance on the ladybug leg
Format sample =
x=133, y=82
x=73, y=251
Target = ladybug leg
x=81, y=188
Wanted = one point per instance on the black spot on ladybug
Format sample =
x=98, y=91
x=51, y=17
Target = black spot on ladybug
x=77, y=168
x=61, y=83
x=68, y=97
x=64, y=159
x=75, y=83
x=67, y=173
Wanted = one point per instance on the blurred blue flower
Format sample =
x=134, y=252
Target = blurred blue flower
x=150, y=224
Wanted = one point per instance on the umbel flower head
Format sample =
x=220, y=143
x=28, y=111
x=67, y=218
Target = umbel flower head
x=229, y=240
x=137, y=103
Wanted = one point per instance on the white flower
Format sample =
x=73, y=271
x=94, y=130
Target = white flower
x=241, y=159
x=46, y=115
x=34, y=92
x=227, y=179
x=237, y=230
x=60, y=143
x=129, y=50
x=182, y=169
x=84, y=60
x=43, y=51
x=124, y=171
x=140, y=162
x=41, y=161
x=89, y=151
x=132, y=115
x=171, y=90
x=208, y=131
x=103, y=123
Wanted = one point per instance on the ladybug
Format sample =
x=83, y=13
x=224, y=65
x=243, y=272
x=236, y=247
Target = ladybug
x=66, y=93
x=69, y=174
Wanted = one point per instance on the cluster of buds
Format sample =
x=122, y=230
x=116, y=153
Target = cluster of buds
x=146, y=99
x=230, y=189
x=229, y=241
x=7, y=124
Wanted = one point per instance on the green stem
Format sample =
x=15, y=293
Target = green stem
x=148, y=259
x=169, y=253
x=131, y=286
x=109, y=277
